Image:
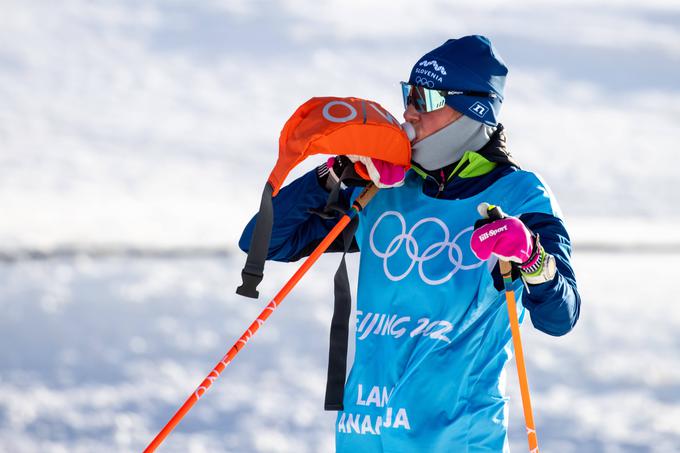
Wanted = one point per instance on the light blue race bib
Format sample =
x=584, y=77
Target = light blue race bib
x=432, y=332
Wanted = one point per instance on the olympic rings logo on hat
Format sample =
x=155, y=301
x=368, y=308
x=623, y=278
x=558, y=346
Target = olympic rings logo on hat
x=431, y=251
x=422, y=81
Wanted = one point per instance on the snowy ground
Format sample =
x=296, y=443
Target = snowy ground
x=98, y=355
x=151, y=126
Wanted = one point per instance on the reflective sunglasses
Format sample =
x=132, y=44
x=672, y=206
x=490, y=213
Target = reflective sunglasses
x=427, y=99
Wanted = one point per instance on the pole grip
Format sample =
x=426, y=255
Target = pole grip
x=365, y=197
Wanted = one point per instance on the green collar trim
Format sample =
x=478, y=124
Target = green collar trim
x=419, y=171
x=477, y=166
x=470, y=165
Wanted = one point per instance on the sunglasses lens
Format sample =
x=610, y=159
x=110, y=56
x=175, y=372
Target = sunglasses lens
x=405, y=93
x=422, y=99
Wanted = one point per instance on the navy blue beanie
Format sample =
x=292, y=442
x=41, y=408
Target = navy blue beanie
x=470, y=63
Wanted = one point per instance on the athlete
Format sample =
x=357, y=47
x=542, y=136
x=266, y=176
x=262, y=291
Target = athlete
x=432, y=333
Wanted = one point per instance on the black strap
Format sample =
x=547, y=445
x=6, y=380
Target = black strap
x=332, y=209
x=339, y=337
x=253, y=271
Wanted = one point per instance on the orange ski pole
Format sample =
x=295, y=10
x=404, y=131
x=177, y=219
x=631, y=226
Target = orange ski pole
x=494, y=212
x=506, y=272
x=359, y=204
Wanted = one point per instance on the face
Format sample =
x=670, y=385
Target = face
x=428, y=123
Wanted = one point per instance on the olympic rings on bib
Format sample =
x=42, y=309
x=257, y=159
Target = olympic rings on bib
x=412, y=248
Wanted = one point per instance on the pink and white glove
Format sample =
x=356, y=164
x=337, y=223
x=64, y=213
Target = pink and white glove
x=507, y=238
x=382, y=174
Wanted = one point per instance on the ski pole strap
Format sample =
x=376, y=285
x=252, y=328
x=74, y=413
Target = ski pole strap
x=339, y=336
x=253, y=271
x=332, y=208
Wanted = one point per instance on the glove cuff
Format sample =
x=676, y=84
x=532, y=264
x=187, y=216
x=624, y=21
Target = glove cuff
x=535, y=260
x=326, y=177
x=540, y=267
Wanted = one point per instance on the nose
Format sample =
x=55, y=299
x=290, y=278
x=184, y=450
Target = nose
x=411, y=114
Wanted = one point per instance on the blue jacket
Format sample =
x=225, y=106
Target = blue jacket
x=554, y=306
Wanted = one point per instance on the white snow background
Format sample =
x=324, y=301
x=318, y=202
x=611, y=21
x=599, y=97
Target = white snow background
x=135, y=138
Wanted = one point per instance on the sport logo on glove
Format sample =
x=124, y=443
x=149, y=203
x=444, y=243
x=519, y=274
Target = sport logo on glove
x=484, y=236
x=507, y=237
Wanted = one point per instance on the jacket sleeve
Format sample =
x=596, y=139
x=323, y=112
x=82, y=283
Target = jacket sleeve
x=297, y=230
x=554, y=306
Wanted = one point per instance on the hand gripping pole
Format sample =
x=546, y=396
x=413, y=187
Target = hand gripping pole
x=359, y=204
x=506, y=272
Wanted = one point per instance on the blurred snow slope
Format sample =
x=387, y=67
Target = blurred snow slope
x=97, y=355
x=157, y=122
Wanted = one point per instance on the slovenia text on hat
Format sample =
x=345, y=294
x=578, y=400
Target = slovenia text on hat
x=470, y=63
